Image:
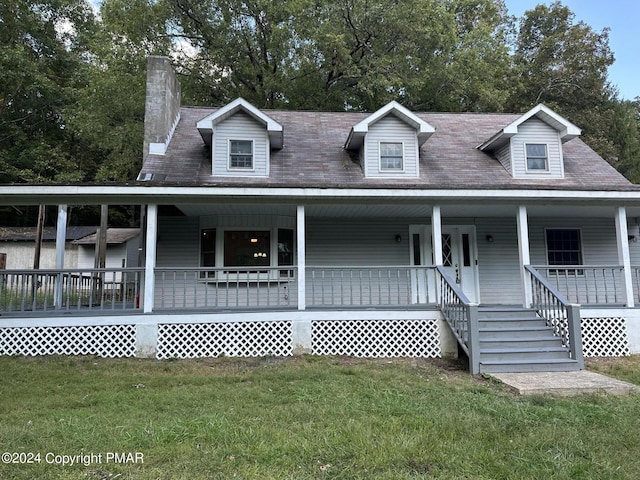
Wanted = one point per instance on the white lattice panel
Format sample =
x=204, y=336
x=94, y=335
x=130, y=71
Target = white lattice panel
x=376, y=338
x=111, y=341
x=604, y=337
x=231, y=339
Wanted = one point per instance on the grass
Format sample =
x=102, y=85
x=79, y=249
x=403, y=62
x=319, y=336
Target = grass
x=305, y=418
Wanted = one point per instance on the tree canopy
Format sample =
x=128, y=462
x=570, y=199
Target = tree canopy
x=72, y=78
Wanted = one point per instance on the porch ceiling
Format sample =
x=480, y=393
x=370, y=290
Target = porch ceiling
x=405, y=210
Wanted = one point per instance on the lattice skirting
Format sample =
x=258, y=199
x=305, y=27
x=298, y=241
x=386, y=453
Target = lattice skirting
x=109, y=341
x=604, y=337
x=231, y=339
x=376, y=338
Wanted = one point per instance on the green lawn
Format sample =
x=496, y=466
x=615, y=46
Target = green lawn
x=303, y=418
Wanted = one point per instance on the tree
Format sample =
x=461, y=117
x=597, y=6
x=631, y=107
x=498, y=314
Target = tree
x=472, y=73
x=39, y=55
x=564, y=64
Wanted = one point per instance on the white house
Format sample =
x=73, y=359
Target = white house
x=391, y=233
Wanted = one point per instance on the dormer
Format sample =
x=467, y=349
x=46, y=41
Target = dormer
x=388, y=142
x=241, y=139
x=531, y=146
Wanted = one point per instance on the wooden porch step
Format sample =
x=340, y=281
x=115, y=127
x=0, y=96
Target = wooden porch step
x=516, y=339
x=536, y=353
x=531, y=332
x=516, y=342
x=564, y=365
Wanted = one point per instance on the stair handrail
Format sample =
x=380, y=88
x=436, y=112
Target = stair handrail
x=462, y=317
x=555, y=309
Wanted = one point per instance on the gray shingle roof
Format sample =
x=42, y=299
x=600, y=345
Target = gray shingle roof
x=28, y=234
x=114, y=236
x=313, y=156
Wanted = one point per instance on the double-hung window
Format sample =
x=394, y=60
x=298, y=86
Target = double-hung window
x=564, y=247
x=391, y=156
x=537, y=157
x=241, y=154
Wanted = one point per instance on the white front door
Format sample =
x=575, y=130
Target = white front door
x=459, y=258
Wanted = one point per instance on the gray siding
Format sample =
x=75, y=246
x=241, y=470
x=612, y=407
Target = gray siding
x=599, y=245
x=498, y=262
x=536, y=131
x=240, y=127
x=346, y=241
x=178, y=242
x=391, y=129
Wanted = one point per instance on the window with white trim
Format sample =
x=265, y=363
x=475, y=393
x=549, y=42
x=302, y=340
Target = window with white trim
x=246, y=248
x=391, y=156
x=241, y=154
x=564, y=247
x=537, y=157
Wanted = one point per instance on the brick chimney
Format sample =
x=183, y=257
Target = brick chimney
x=162, y=105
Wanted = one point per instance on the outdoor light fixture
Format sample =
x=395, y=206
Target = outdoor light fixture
x=398, y=238
x=489, y=238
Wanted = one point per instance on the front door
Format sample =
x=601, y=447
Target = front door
x=459, y=258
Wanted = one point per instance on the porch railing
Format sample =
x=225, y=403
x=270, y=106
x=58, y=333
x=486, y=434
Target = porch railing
x=462, y=317
x=350, y=286
x=69, y=290
x=558, y=313
x=225, y=288
x=587, y=284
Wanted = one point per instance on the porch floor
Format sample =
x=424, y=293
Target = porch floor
x=565, y=383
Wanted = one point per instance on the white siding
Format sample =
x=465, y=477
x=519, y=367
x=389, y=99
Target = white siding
x=391, y=129
x=115, y=255
x=20, y=255
x=240, y=127
x=504, y=156
x=536, y=131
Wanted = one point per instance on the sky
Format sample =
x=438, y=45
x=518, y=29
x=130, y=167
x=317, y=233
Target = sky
x=622, y=17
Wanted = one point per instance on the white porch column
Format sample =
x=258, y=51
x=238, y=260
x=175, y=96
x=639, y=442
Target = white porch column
x=436, y=234
x=523, y=254
x=61, y=240
x=301, y=245
x=150, y=258
x=624, y=259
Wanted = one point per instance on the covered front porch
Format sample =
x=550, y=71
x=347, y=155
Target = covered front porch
x=408, y=273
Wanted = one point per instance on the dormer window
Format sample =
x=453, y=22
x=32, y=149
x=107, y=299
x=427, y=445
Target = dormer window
x=241, y=139
x=241, y=154
x=391, y=156
x=531, y=145
x=537, y=157
x=388, y=142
